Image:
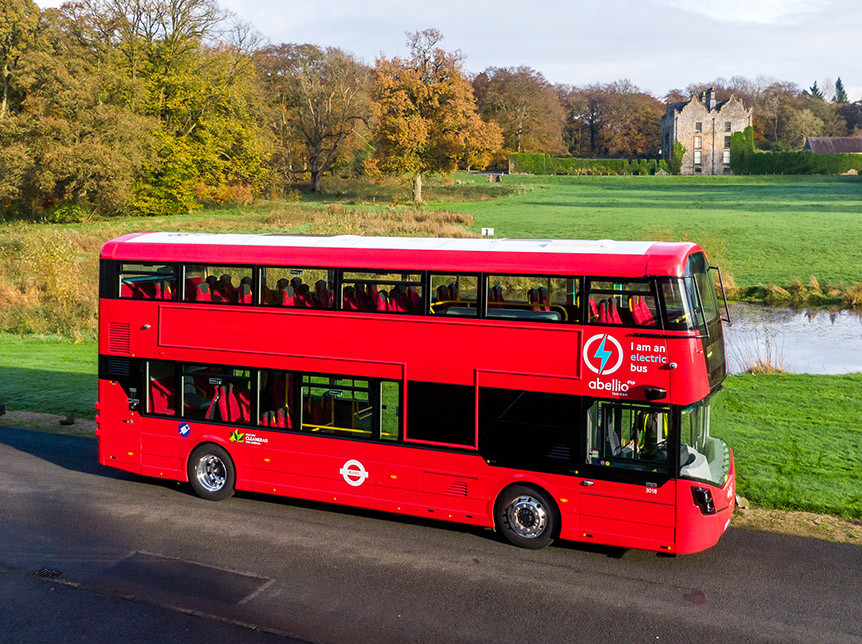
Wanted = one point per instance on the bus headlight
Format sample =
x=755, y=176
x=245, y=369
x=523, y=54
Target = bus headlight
x=703, y=499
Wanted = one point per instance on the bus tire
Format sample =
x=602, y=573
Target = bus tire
x=526, y=516
x=211, y=472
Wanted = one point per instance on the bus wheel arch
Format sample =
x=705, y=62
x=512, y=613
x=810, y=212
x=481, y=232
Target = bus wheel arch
x=527, y=515
x=211, y=472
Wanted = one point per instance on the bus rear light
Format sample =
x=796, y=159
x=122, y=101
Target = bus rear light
x=703, y=499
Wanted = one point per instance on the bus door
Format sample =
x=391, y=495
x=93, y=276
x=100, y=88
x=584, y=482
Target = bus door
x=627, y=495
x=344, y=408
x=119, y=438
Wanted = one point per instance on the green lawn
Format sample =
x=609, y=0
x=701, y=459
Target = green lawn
x=760, y=229
x=797, y=439
x=48, y=375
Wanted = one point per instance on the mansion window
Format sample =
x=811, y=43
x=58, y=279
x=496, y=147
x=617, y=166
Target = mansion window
x=727, y=141
x=697, y=143
x=726, y=157
x=697, y=157
x=698, y=127
x=727, y=126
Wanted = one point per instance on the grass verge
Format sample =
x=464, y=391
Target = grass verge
x=797, y=441
x=797, y=438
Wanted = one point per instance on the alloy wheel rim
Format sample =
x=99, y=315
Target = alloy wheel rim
x=211, y=473
x=527, y=517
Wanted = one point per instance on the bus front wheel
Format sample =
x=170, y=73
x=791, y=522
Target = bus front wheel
x=526, y=516
x=211, y=472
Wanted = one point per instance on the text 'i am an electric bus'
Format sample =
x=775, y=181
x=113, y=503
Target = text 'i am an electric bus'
x=546, y=388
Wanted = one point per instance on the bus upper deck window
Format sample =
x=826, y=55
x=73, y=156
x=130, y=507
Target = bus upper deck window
x=532, y=297
x=454, y=295
x=623, y=303
x=219, y=284
x=148, y=281
x=382, y=292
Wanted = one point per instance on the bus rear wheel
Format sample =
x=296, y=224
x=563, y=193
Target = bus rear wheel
x=526, y=517
x=211, y=472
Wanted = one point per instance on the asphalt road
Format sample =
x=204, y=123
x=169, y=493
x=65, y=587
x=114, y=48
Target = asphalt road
x=90, y=553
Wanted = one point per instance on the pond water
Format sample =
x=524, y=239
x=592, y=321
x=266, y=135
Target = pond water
x=796, y=340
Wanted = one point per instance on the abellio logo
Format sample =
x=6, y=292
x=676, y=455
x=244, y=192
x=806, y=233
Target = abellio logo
x=603, y=354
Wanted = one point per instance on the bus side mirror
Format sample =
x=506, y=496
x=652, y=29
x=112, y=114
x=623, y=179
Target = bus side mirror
x=723, y=295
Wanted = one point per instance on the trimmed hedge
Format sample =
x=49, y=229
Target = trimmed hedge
x=744, y=159
x=547, y=164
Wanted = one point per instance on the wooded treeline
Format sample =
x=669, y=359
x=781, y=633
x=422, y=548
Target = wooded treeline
x=161, y=106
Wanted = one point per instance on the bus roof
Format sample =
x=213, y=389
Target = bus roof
x=559, y=256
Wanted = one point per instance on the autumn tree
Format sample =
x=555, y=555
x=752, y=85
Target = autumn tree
x=426, y=113
x=322, y=93
x=612, y=120
x=525, y=106
x=69, y=143
x=18, y=22
x=192, y=70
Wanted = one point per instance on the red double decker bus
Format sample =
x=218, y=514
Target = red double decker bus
x=548, y=389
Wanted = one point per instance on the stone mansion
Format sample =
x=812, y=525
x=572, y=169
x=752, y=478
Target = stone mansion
x=704, y=127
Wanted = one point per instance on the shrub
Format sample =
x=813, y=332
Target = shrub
x=67, y=213
x=546, y=164
x=676, y=158
x=745, y=160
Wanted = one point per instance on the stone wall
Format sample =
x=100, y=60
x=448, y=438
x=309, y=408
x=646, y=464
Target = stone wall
x=717, y=122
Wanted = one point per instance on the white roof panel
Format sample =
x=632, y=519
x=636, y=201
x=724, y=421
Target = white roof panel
x=601, y=247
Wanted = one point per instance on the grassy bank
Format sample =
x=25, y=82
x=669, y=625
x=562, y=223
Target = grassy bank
x=49, y=375
x=48, y=271
x=797, y=439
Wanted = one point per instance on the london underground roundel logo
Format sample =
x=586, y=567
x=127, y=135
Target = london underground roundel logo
x=354, y=473
x=603, y=354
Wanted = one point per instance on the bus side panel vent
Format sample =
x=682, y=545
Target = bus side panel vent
x=458, y=488
x=119, y=367
x=119, y=340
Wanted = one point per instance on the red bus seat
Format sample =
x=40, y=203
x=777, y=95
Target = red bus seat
x=203, y=292
x=646, y=315
x=542, y=293
x=243, y=397
x=381, y=301
x=215, y=295
x=613, y=313
x=192, y=288
x=442, y=299
x=349, y=302
x=244, y=295
x=162, y=395
x=286, y=293
x=322, y=295
x=210, y=415
x=282, y=418
x=603, y=312
x=415, y=300
x=533, y=299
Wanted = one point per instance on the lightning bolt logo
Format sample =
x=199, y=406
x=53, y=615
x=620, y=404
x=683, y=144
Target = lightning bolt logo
x=602, y=353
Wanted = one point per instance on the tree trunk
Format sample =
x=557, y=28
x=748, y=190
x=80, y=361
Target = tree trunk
x=316, y=176
x=417, y=187
x=4, y=105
